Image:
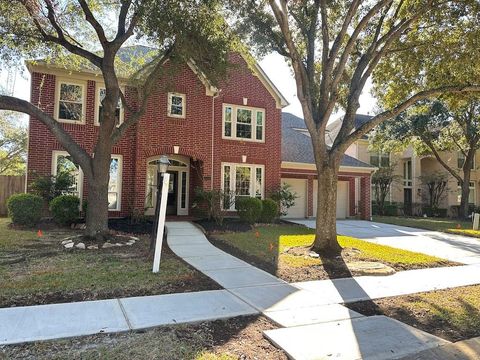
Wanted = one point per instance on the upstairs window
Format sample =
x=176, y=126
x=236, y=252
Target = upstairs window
x=461, y=161
x=243, y=123
x=101, y=92
x=71, y=102
x=380, y=159
x=176, y=105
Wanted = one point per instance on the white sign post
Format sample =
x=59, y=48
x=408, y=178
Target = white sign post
x=476, y=221
x=161, y=223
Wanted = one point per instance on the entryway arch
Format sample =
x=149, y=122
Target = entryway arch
x=178, y=192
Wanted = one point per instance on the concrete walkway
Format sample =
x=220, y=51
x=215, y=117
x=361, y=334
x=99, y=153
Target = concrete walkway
x=315, y=325
x=308, y=310
x=461, y=249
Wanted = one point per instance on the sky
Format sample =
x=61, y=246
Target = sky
x=274, y=66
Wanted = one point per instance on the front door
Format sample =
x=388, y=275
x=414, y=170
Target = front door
x=407, y=201
x=172, y=192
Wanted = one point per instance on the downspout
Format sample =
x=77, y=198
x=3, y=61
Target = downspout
x=217, y=94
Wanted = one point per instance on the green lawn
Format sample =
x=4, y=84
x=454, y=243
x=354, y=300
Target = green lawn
x=434, y=224
x=49, y=273
x=271, y=242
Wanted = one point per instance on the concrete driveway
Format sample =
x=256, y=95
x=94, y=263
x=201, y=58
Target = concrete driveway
x=457, y=248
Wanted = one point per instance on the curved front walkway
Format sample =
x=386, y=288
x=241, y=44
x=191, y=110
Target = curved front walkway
x=315, y=325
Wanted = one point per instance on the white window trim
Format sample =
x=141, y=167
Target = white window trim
x=234, y=122
x=96, y=122
x=55, y=155
x=169, y=105
x=253, y=168
x=119, y=183
x=66, y=81
x=460, y=155
x=472, y=192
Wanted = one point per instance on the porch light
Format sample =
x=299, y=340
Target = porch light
x=163, y=164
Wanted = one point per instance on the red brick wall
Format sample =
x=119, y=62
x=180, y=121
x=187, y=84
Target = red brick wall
x=156, y=133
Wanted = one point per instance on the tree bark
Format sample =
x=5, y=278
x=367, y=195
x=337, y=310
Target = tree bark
x=326, y=222
x=97, y=208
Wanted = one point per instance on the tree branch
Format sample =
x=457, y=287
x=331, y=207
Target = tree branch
x=93, y=21
x=64, y=138
x=389, y=114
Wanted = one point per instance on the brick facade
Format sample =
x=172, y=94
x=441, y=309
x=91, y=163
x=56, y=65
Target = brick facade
x=198, y=136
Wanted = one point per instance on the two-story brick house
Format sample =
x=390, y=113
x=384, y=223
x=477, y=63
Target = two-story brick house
x=227, y=137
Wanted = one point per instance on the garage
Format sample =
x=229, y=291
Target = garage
x=298, y=186
x=342, y=199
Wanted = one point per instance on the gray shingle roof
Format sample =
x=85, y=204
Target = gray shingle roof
x=297, y=145
x=334, y=127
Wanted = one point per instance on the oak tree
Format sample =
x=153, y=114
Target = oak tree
x=335, y=47
x=89, y=34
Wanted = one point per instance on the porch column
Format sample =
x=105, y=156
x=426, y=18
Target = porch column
x=365, y=200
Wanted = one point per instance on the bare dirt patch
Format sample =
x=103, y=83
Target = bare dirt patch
x=238, y=338
x=452, y=314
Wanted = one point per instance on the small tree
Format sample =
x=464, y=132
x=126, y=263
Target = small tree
x=382, y=181
x=13, y=144
x=214, y=203
x=50, y=187
x=284, y=197
x=435, y=189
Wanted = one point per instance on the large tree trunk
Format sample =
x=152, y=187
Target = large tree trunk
x=326, y=222
x=97, y=208
x=465, y=186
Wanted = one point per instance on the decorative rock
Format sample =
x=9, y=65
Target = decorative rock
x=66, y=242
x=92, y=247
x=69, y=245
x=134, y=238
x=107, y=245
x=370, y=268
x=80, y=246
x=313, y=254
x=119, y=244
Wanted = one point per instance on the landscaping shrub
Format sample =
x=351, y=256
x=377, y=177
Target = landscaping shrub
x=389, y=209
x=269, y=211
x=249, y=209
x=25, y=209
x=64, y=209
x=49, y=187
x=284, y=197
x=212, y=204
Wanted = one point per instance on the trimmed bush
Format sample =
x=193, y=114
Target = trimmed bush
x=249, y=209
x=269, y=211
x=64, y=209
x=25, y=209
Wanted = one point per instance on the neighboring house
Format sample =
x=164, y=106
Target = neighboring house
x=227, y=138
x=409, y=168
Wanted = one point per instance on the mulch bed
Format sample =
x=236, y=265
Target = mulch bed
x=239, y=337
x=127, y=226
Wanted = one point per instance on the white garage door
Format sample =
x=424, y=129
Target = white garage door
x=298, y=186
x=342, y=199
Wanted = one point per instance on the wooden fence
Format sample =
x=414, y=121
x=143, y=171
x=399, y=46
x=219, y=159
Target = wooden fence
x=9, y=185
